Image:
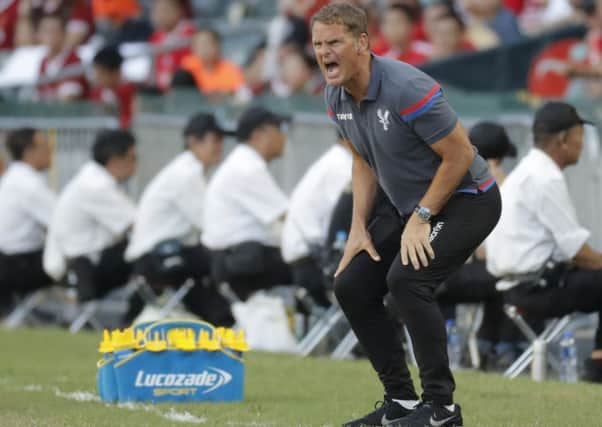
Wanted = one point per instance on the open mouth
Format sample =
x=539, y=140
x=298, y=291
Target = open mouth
x=332, y=68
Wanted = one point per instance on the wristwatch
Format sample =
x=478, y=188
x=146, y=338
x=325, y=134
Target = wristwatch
x=423, y=213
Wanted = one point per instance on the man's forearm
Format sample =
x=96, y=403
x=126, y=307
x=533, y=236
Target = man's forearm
x=588, y=258
x=456, y=155
x=446, y=181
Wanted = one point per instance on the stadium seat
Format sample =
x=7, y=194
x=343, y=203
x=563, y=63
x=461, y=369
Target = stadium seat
x=552, y=331
x=324, y=326
x=101, y=313
x=24, y=308
x=168, y=300
x=51, y=305
x=331, y=324
x=169, y=273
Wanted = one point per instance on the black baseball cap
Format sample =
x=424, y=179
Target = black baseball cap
x=492, y=141
x=555, y=116
x=202, y=123
x=254, y=118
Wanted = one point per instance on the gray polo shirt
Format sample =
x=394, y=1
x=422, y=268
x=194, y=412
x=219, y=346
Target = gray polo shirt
x=403, y=113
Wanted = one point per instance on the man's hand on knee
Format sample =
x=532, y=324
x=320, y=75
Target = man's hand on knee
x=358, y=241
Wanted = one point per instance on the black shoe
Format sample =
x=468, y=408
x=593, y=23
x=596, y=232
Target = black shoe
x=384, y=414
x=429, y=414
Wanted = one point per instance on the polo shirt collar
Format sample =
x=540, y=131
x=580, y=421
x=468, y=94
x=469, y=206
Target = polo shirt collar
x=373, y=86
x=251, y=153
x=99, y=172
x=544, y=159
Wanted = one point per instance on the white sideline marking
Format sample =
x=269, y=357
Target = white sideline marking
x=251, y=424
x=183, y=417
x=86, y=396
x=172, y=415
x=79, y=396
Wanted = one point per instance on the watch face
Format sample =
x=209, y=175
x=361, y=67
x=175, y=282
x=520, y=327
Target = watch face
x=424, y=213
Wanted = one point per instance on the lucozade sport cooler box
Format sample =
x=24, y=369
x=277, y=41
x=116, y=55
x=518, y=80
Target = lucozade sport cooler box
x=172, y=361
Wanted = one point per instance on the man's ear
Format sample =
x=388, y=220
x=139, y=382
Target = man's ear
x=363, y=43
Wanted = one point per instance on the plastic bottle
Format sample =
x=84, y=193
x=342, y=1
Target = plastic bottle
x=568, y=359
x=333, y=255
x=454, y=349
x=340, y=239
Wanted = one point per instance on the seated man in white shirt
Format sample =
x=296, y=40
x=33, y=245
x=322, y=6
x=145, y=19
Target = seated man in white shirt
x=91, y=218
x=26, y=208
x=308, y=218
x=170, y=211
x=245, y=207
x=539, y=224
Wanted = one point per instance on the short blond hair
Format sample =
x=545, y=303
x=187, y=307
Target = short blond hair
x=351, y=17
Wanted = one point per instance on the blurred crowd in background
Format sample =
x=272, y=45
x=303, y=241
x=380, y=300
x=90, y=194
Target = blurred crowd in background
x=185, y=41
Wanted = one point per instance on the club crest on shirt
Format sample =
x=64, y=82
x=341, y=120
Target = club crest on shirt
x=383, y=118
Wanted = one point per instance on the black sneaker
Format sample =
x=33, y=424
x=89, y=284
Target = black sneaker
x=429, y=414
x=385, y=412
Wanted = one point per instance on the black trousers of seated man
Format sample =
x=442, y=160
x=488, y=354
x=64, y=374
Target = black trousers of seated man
x=472, y=283
x=21, y=274
x=457, y=231
x=307, y=273
x=203, y=299
x=249, y=267
x=314, y=272
x=579, y=291
x=93, y=280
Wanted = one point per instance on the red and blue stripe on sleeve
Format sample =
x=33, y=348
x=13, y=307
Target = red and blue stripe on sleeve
x=423, y=105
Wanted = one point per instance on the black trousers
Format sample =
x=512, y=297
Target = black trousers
x=21, y=274
x=94, y=280
x=581, y=292
x=274, y=271
x=462, y=225
x=203, y=299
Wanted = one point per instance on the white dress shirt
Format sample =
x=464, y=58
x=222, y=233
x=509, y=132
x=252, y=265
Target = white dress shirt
x=313, y=201
x=243, y=202
x=26, y=204
x=171, y=206
x=538, y=220
x=91, y=214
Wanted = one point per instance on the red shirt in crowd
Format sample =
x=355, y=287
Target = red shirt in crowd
x=72, y=88
x=8, y=22
x=79, y=12
x=412, y=55
x=167, y=63
x=82, y=18
x=122, y=99
x=515, y=6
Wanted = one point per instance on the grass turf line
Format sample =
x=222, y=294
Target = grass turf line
x=36, y=365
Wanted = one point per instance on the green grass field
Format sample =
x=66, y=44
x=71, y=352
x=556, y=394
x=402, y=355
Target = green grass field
x=41, y=371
